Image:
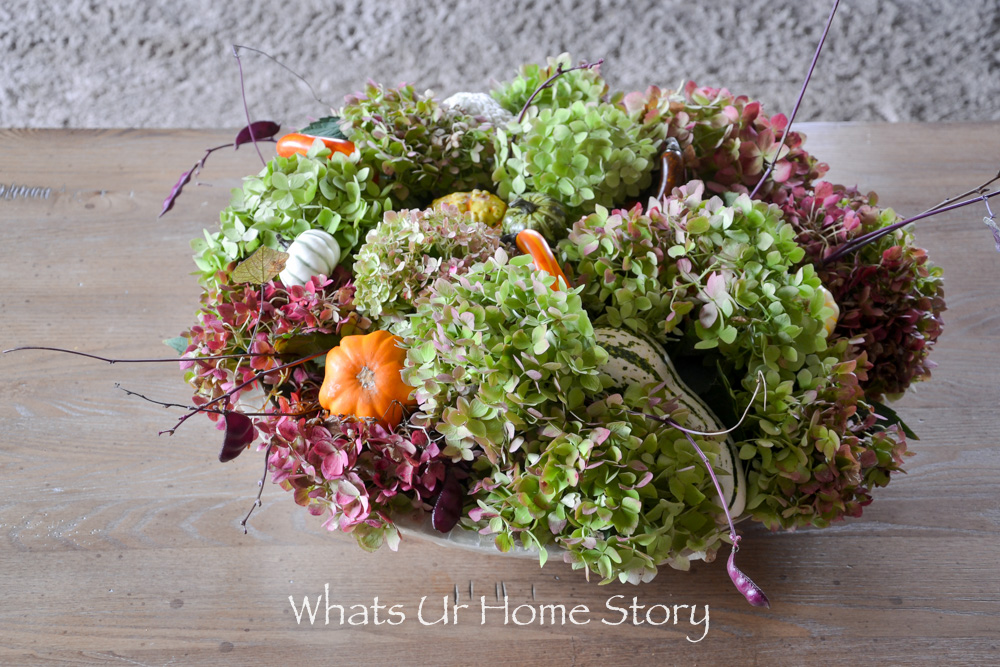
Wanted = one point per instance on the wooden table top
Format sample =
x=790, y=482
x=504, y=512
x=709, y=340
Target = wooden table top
x=121, y=547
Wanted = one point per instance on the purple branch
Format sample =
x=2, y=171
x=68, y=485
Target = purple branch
x=751, y=591
x=795, y=110
x=285, y=67
x=865, y=239
x=175, y=192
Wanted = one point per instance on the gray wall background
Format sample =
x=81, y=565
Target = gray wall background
x=81, y=63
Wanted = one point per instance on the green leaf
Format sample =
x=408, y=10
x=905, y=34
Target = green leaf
x=891, y=417
x=260, y=267
x=179, y=343
x=328, y=126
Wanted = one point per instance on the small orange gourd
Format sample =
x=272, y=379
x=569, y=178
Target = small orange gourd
x=293, y=143
x=363, y=379
x=532, y=243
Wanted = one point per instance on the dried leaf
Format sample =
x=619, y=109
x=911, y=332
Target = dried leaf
x=328, y=126
x=262, y=129
x=263, y=265
x=178, y=343
x=448, y=507
x=175, y=192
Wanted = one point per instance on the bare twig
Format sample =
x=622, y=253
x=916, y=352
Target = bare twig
x=260, y=490
x=795, y=110
x=548, y=83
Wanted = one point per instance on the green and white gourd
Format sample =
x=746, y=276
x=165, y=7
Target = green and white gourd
x=638, y=359
x=312, y=253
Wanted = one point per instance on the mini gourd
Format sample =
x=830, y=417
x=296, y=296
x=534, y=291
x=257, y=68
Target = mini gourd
x=312, y=253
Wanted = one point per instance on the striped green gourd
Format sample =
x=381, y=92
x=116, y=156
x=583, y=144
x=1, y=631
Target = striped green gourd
x=638, y=359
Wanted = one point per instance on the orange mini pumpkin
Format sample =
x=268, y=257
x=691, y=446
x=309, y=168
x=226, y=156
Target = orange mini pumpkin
x=363, y=378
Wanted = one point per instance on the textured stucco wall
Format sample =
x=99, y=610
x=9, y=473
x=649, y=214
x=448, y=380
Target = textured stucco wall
x=168, y=64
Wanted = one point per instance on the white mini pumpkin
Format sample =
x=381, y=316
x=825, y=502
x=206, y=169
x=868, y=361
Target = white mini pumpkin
x=312, y=253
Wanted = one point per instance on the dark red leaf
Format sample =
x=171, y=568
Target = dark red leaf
x=239, y=434
x=448, y=507
x=262, y=129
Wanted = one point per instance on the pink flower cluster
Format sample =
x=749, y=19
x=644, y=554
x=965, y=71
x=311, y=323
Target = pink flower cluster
x=353, y=472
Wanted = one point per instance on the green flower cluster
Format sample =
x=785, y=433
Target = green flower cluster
x=817, y=449
x=583, y=155
x=814, y=446
x=492, y=348
x=620, y=492
x=424, y=150
x=620, y=258
x=582, y=85
x=735, y=262
x=289, y=196
x=408, y=250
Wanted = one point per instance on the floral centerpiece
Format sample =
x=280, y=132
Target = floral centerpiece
x=587, y=323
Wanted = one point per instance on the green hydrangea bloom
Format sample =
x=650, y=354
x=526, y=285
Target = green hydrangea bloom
x=582, y=155
x=620, y=492
x=582, y=85
x=424, y=150
x=620, y=259
x=490, y=349
x=408, y=250
x=289, y=196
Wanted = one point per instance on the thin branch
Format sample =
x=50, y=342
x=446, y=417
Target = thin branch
x=246, y=109
x=257, y=376
x=260, y=490
x=286, y=68
x=140, y=361
x=761, y=383
x=795, y=110
x=973, y=191
x=212, y=411
x=548, y=83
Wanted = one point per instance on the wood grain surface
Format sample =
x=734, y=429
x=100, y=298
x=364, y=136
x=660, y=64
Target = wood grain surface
x=119, y=546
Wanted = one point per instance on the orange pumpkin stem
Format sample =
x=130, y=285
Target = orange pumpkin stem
x=363, y=379
x=534, y=244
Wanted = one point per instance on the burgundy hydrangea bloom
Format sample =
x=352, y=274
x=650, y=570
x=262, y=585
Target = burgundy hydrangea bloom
x=890, y=296
x=837, y=475
x=353, y=472
x=727, y=140
x=232, y=320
